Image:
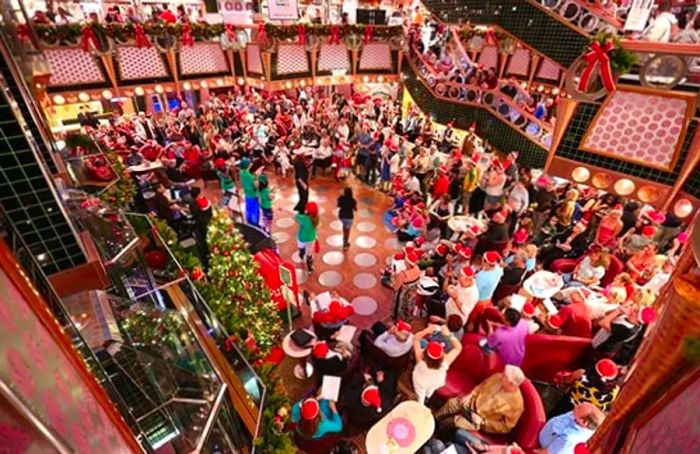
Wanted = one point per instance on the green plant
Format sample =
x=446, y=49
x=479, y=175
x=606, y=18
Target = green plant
x=621, y=60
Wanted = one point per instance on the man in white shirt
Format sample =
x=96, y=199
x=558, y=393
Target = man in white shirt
x=463, y=296
x=665, y=25
x=396, y=341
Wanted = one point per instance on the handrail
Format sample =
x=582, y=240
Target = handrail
x=572, y=23
x=600, y=13
x=544, y=126
x=641, y=46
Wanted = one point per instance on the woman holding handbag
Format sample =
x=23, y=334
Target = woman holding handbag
x=307, y=234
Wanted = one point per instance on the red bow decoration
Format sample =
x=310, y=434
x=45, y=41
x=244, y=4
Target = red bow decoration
x=301, y=33
x=262, y=34
x=197, y=273
x=25, y=34
x=334, y=37
x=140, y=37
x=230, y=33
x=490, y=37
x=88, y=36
x=598, y=55
x=369, y=32
x=186, y=36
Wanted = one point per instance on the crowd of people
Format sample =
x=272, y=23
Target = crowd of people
x=533, y=253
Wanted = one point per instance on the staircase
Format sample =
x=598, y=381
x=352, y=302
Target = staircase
x=541, y=28
x=492, y=128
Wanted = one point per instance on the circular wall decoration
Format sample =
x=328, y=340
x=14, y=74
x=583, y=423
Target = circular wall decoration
x=601, y=180
x=624, y=186
x=663, y=71
x=648, y=194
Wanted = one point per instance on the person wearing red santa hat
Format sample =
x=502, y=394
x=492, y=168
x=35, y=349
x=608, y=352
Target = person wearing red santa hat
x=490, y=275
x=316, y=417
x=598, y=385
x=637, y=239
x=330, y=358
x=441, y=185
x=397, y=340
x=430, y=371
x=464, y=296
x=370, y=398
x=405, y=284
x=307, y=233
x=621, y=331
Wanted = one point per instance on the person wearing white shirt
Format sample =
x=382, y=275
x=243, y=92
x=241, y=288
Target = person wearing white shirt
x=343, y=130
x=664, y=26
x=396, y=341
x=463, y=296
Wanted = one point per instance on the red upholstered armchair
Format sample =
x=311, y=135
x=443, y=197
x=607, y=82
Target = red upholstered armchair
x=547, y=354
x=616, y=267
x=526, y=432
x=470, y=368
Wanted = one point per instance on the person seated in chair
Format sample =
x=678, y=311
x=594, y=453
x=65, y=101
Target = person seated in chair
x=561, y=434
x=494, y=406
x=316, y=417
x=396, y=341
x=370, y=395
x=331, y=358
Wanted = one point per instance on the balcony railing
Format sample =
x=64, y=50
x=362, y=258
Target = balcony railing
x=539, y=132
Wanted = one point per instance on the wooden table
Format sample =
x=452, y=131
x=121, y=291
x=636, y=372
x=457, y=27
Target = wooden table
x=304, y=369
x=378, y=442
x=460, y=224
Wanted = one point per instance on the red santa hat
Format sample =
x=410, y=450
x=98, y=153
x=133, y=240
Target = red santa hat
x=417, y=222
x=203, y=203
x=468, y=271
x=420, y=241
x=581, y=448
x=219, y=163
x=403, y=327
x=441, y=250
x=464, y=251
x=312, y=209
x=435, y=350
x=320, y=350
x=443, y=168
x=555, y=321
x=648, y=231
x=657, y=216
x=399, y=256
x=683, y=237
x=310, y=409
x=528, y=310
x=606, y=369
x=520, y=236
x=617, y=209
x=496, y=164
x=492, y=257
x=370, y=398
x=411, y=257
x=499, y=216
x=647, y=315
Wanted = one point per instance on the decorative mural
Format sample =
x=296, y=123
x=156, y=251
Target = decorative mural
x=72, y=66
x=639, y=127
x=292, y=59
x=375, y=56
x=519, y=63
x=489, y=57
x=253, y=59
x=202, y=58
x=140, y=63
x=333, y=57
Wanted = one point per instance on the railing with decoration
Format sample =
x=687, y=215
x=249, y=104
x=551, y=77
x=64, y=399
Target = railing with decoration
x=501, y=105
x=109, y=57
x=588, y=18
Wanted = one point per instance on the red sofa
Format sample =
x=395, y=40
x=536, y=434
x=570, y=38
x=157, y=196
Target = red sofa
x=547, y=354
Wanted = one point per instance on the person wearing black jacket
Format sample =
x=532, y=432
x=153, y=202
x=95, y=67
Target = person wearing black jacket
x=301, y=179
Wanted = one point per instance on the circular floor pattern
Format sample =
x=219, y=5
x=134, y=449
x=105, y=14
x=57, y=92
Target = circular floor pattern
x=364, y=280
x=366, y=226
x=336, y=225
x=366, y=213
x=388, y=260
x=302, y=275
x=280, y=237
x=330, y=278
x=284, y=222
x=393, y=243
x=321, y=210
x=365, y=259
x=335, y=240
x=322, y=188
x=296, y=258
x=364, y=305
x=333, y=258
x=366, y=242
x=367, y=200
x=319, y=199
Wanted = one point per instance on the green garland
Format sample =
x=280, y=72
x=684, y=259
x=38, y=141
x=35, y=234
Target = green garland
x=236, y=293
x=71, y=33
x=468, y=31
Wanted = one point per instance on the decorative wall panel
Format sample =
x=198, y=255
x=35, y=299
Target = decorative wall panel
x=639, y=127
x=333, y=57
x=253, y=59
x=519, y=63
x=72, y=67
x=143, y=63
x=202, y=58
x=291, y=59
x=489, y=57
x=375, y=56
x=548, y=70
x=42, y=376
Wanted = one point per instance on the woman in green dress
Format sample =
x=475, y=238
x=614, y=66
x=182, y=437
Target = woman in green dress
x=307, y=233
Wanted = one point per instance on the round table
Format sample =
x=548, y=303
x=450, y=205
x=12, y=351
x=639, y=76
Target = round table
x=379, y=441
x=304, y=369
x=461, y=224
x=147, y=166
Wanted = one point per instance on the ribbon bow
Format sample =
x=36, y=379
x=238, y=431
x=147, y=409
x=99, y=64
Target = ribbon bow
x=598, y=56
x=262, y=34
x=301, y=33
x=369, y=33
x=490, y=37
x=230, y=33
x=25, y=34
x=140, y=37
x=186, y=36
x=334, y=37
x=88, y=37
